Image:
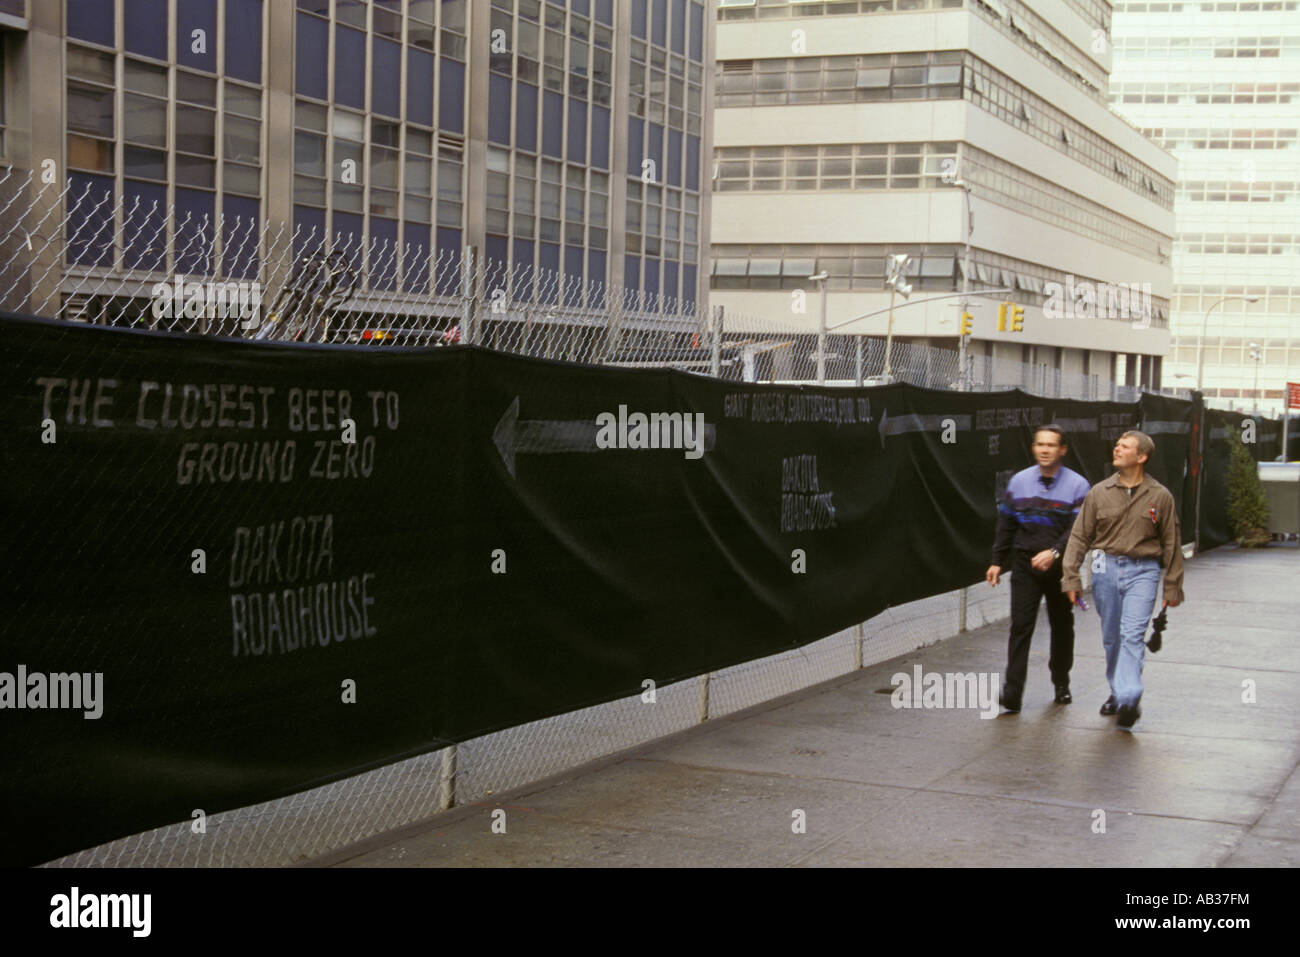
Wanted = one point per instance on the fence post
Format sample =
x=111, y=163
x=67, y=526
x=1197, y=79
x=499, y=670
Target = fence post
x=447, y=783
x=467, y=290
x=703, y=700
x=715, y=361
x=859, y=636
x=857, y=359
x=961, y=610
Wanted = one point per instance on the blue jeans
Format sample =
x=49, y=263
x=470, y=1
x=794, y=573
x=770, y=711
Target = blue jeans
x=1125, y=592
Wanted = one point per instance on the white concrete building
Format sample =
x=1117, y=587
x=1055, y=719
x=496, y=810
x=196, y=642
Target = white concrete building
x=1218, y=84
x=840, y=126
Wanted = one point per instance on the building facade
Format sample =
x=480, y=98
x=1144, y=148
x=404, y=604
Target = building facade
x=1218, y=84
x=850, y=132
x=561, y=138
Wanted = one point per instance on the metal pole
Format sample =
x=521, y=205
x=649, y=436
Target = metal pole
x=821, y=338
x=889, y=335
x=447, y=784
x=1200, y=471
x=965, y=302
x=467, y=296
x=703, y=699
x=715, y=362
x=857, y=358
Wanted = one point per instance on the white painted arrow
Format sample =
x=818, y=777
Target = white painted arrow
x=912, y=422
x=514, y=436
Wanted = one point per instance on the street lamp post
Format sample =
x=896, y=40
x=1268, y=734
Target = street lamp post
x=1200, y=382
x=969, y=223
x=1256, y=353
x=1200, y=348
x=896, y=282
x=821, y=328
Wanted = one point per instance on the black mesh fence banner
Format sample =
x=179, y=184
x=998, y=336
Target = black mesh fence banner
x=239, y=570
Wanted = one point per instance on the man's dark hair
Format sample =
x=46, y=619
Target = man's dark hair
x=1060, y=433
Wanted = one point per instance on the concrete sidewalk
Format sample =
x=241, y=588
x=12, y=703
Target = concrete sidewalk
x=1206, y=780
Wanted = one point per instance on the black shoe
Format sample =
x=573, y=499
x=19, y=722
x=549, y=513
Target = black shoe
x=1008, y=704
x=1110, y=707
x=1128, y=715
x=1063, y=695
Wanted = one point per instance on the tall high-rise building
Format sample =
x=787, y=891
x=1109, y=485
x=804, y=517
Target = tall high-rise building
x=851, y=131
x=564, y=136
x=1217, y=82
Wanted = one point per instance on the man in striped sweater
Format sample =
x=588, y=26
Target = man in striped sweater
x=1034, y=522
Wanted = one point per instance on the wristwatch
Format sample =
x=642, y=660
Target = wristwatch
x=1056, y=553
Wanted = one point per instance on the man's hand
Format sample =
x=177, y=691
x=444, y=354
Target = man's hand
x=1073, y=596
x=993, y=575
x=1170, y=604
x=1043, y=560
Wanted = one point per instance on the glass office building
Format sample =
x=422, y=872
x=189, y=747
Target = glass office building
x=841, y=126
x=1218, y=84
x=552, y=136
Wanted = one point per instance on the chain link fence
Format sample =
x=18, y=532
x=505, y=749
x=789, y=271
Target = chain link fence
x=75, y=254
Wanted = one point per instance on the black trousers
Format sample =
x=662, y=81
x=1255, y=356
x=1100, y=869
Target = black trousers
x=1027, y=586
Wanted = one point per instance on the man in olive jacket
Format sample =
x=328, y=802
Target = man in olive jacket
x=1128, y=527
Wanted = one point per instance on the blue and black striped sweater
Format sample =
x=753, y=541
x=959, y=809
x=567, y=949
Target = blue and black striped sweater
x=1037, y=513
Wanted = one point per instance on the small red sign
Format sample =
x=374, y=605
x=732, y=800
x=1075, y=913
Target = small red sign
x=1293, y=395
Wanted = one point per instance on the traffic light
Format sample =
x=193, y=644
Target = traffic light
x=1017, y=317
x=966, y=319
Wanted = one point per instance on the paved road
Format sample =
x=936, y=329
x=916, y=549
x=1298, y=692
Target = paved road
x=1206, y=780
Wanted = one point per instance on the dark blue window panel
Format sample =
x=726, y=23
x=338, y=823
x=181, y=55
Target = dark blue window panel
x=670, y=279
x=605, y=12
x=523, y=270
x=577, y=132
x=499, y=109
x=195, y=230
x=447, y=282
x=678, y=40
x=573, y=261
x=451, y=96
x=194, y=15
x=526, y=117
x=582, y=7
x=596, y=277
x=415, y=257
x=573, y=286
x=655, y=149
x=548, y=265
x=239, y=237
x=651, y=283
x=144, y=225
x=92, y=20
x=496, y=255
x=689, y=274
x=144, y=27
x=346, y=238
x=419, y=86
x=692, y=162
x=244, y=39
x=308, y=230
x=552, y=124
x=631, y=274
x=659, y=22
x=697, y=32
x=636, y=17
x=383, y=253
x=349, y=67
x=600, y=137
x=675, y=157
x=635, y=145
x=311, y=57
x=385, y=77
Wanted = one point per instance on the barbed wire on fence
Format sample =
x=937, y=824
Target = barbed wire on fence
x=81, y=256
